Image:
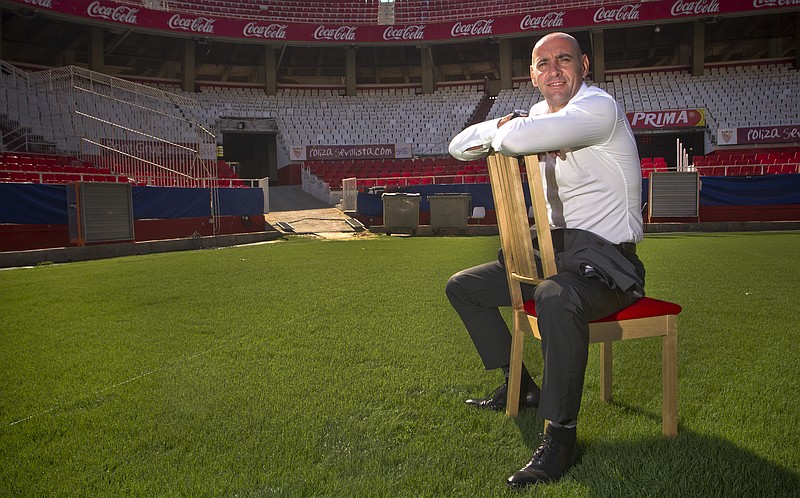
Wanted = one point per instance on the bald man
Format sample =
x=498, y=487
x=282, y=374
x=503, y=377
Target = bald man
x=592, y=179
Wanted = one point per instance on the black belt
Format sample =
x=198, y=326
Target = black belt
x=557, y=236
x=626, y=248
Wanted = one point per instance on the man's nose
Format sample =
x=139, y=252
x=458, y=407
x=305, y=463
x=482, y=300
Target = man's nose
x=554, y=69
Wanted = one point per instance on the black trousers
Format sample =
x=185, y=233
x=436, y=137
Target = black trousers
x=565, y=304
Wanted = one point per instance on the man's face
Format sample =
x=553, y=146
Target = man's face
x=558, y=70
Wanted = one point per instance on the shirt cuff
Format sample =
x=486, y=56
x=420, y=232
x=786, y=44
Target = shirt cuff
x=506, y=138
x=479, y=136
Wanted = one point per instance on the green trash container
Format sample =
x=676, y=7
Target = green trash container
x=450, y=210
x=401, y=212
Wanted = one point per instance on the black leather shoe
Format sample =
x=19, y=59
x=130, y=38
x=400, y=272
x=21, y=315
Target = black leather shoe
x=497, y=400
x=550, y=461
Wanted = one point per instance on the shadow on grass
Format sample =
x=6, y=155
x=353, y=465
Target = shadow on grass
x=690, y=464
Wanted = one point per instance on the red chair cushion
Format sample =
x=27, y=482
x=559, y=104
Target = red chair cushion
x=645, y=307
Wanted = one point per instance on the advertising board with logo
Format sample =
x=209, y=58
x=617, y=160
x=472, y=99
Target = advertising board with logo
x=539, y=20
x=667, y=119
x=340, y=152
x=759, y=135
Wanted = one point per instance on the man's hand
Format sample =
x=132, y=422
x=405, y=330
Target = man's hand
x=508, y=117
x=560, y=154
x=505, y=119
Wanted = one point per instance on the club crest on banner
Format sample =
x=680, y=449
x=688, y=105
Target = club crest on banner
x=298, y=153
x=727, y=136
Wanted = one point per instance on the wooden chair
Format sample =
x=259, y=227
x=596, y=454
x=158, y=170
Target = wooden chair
x=646, y=318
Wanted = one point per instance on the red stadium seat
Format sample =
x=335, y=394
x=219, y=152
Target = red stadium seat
x=749, y=170
x=51, y=178
x=733, y=170
x=717, y=171
x=773, y=169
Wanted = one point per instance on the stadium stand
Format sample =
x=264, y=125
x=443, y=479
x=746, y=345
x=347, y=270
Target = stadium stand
x=48, y=168
x=416, y=11
x=45, y=168
x=754, y=95
x=137, y=132
x=360, y=11
x=733, y=96
x=651, y=165
x=377, y=116
x=77, y=125
x=320, y=116
x=316, y=115
x=778, y=161
x=400, y=172
x=343, y=11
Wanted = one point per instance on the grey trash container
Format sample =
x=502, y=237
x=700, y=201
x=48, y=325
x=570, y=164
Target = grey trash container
x=450, y=211
x=401, y=212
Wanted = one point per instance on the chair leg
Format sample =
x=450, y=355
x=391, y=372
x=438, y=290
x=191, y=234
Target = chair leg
x=515, y=366
x=606, y=364
x=669, y=378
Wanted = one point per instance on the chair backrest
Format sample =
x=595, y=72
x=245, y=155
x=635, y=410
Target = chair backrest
x=512, y=221
x=536, y=188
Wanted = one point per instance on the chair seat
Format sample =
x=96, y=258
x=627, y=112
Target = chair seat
x=645, y=307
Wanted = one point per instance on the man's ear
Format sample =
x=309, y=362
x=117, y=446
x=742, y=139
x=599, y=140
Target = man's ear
x=533, y=76
x=585, y=65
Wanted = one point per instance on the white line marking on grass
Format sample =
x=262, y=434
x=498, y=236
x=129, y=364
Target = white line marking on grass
x=31, y=416
x=98, y=392
x=145, y=374
x=118, y=384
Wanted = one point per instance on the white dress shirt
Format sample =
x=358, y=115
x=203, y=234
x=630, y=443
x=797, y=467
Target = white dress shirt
x=595, y=183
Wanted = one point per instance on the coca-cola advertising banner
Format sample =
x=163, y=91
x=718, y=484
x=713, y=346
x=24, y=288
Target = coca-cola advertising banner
x=667, y=119
x=759, y=135
x=339, y=152
x=540, y=20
